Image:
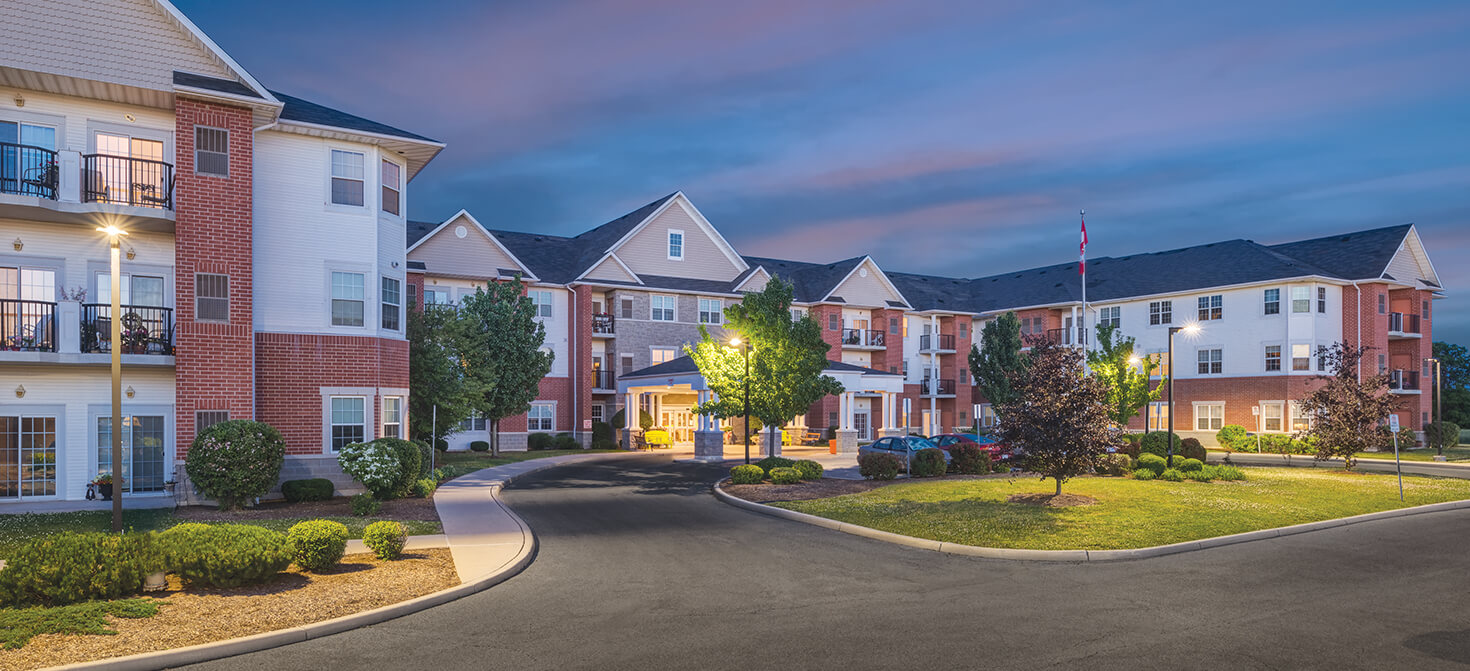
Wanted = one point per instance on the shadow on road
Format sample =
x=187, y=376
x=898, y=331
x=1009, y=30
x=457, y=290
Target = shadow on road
x=1451, y=646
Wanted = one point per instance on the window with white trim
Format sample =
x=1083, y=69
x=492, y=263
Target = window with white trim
x=1322, y=301
x=1111, y=316
x=348, y=176
x=1300, y=420
x=1160, y=312
x=542, y=300
x=1273, y=357
x=627, y=363
x=1301, y=356
x=1211, y=307
x=986, y=413
x=393, y=417
x=663, y=354
x=347, y=299
x=1158, y=416
x=349, y=420
x=1209, y=416
x=392, y=187
x=392, y=302
x=626, y=305
x=1271, y=419
x=834, y=322
x=1301, y=300
x=1271, y=302
x=1211, y=361
x=711, y=310
x=475, y=422
x=541, y=417
x=676, y=245
x=596, y=410
x=435, y=296
x=211, y=151
x=662, y=308
x=797, y=314
x=211, y=297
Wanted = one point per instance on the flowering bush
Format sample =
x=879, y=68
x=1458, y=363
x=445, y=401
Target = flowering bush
x=388, y=467
x=235, y=461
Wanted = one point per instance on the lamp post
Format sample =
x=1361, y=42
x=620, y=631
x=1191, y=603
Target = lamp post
x=1438, y=408
x=1134, y=361
x=1188, y=329
x=114, y=235
x=745, y=428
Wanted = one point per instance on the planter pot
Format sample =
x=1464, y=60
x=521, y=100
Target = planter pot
x=106, y=491
x=155, y=582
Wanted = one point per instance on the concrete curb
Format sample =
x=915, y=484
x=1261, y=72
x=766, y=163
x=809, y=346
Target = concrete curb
x=1077, y=555
x=204, y=652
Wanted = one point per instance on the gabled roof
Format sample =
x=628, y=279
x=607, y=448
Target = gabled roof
x=306, y=111
x=216, y=84
x=1360, y=255
x=462, y=215
x=811, y=282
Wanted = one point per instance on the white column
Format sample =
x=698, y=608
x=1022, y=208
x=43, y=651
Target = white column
x=630, y=411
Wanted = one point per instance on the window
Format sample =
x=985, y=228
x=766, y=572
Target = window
x=1209, y=416
x=392, y=299
x=964, y=417
x=541, y=417
x=347, y=299
x=664, y=354
x=711, y=310
x=1272, y=304
x=211, y=297
x=349, y=421
x=1273, y=357
x=1158, y=416
x=542, y=300
x=204, y=419
x=1300, y=420
x=1112, y=316
x=472, y=423
x=1271, y=419
x=391, y=187
x=905, y=328
x=347, y=178
x=1301, y=300
x=963, y=379
x=1211, y=307
x=1160, y=312
x=627, y=363
x=1382, y=304
x=663, y=308
x=1301, y=356
x=797, y=314
x=437, y=297
x=43, y=180
x=961, y=327
x=1211, y=362
x=832, y=419
x=834, y=322
x=1382, y=364
x=392, y=416
x=626, y=305
x=211, y=151
x=143, y=451
x=1425, y=310
x=986, y=413
x=1322, y=300
x=1161, y=363
x=676, y=245
x=905, y=369
x=893, y=326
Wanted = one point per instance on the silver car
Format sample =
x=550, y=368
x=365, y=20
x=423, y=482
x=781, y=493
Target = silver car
x=903, y=447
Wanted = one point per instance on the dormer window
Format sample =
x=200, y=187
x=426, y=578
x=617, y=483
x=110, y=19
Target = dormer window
x=676, y=245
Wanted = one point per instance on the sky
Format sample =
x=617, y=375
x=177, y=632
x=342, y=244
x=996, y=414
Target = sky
x=949, y=137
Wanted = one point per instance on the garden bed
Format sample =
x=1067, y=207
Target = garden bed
x=817, y=489
x=202, y=615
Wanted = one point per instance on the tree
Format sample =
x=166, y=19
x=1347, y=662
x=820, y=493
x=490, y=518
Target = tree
x=500, y=348
x=997, y=360
x=1454, y=363
x=1347, y=414
x=787, y=358
x=435, y=376
x=1128, y=387
x=1059, y=417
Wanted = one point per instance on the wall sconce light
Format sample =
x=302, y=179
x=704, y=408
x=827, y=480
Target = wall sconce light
x=20, y=100
x=20, y=391
x=132, y=253
x=18, y=245
x=130, y=391
x=130, y=118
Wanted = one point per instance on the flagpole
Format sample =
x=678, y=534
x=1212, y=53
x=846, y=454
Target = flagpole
x=1082, y=267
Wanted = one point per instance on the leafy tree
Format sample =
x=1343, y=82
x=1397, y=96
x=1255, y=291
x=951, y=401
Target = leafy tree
x=1454, y=362
x=1347, y=413
x=500, y=349
x=998, y=360
x=435, y=376
x=1128, y=388
x=1059, y=417
x=787, y=358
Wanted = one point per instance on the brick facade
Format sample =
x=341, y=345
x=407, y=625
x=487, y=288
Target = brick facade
x=292, y=369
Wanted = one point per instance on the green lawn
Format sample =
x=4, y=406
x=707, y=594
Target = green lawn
x=18, y=625
x=1129, y=513
x=455, y=464
x=1461, y=453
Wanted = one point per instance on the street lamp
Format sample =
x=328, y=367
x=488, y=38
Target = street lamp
x=1438, y=408
x=114, y=236
x=745, y=352
x=1189, y=330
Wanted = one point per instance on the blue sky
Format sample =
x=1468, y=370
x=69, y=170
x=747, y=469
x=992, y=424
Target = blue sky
x=957, y=138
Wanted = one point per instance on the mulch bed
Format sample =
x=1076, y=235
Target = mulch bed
x=1052, y=500
x=294, y=598
x=412, y=508
x=824, y=488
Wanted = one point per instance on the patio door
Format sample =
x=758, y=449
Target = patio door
x=27, y=456
x=142, y=451
x=25, y=170
x=27, y=308
x=860, y=422
x=138, y=180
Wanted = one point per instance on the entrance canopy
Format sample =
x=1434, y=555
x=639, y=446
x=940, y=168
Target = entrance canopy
x=682, y=375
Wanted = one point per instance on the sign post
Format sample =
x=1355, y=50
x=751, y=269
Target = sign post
x=1256, y=410
x=1393, y=425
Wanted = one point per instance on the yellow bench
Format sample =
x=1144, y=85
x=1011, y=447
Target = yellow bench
x=657, y=438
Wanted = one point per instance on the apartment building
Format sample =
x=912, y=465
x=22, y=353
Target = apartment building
x=263, y=271
x=621, y=300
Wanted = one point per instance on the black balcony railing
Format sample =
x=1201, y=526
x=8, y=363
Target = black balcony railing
x=127, y=181
x=1401, y=380
x=933, y=387
x=863, y=337
x=145, y=329
x=927, y=342
x=603, y=379
x=1399, y=322
x=876, y=337
x=602, y=324
x=28, y=171
x=27, y=326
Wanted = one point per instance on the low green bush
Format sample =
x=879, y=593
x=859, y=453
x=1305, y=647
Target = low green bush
x=809, y=470
x=928, y=463
x=1152, y=462
x=1172, y=475
x=879, y=466
x=1202, y=475
x=539, y=441
x=1190, y=465
x=1115, y=465
x=425, y=487
x=969, y=459
x=479, y=446
x=70, y=567
x=315, y=489
x=785, y=476
x=1228, y=473
x=1233, y=437
x=565, y=441
x=317, y=545
x=1441, y=434
x=747, y=474
x=364, y=505
x=604, y=432
x=1144, y=474
x=224, y=555
x=1157, y=442
x=1130, y=445
x=385, y=539
x=775, y=462
x=426, y=458
x=1191, y=448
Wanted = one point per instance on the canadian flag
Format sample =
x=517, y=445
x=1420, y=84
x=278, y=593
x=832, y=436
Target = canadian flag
x=1082, y=249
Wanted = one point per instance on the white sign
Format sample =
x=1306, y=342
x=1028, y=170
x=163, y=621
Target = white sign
x=586, y=424
x=1393, y=423
x=1255, y=410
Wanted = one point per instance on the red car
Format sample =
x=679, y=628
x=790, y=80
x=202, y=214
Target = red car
x=998, y=451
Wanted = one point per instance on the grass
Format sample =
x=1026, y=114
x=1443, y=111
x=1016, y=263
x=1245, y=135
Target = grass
x=1128, y=513
x=18, y=625
x=455, y=464
x=1461, y=453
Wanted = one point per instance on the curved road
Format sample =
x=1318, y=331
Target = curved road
x=640, y=567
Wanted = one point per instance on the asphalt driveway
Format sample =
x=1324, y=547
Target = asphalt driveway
x=640, y=567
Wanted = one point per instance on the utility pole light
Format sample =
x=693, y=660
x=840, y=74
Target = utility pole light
x=1438, y=411
x=744, y=346
x=114, y=235
x=1189, y=330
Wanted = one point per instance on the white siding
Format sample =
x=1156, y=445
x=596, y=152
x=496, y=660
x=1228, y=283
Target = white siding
x=76, y=252
x=474, y=255
x=648, y=251
x=864, y=288
x=610, y=270
x=75, y=119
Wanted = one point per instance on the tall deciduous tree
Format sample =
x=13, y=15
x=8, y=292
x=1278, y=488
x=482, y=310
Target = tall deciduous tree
x=1059, y=417
x=435, y=376
x=501, y=352
x=998, y=360
x=1347, y=413
x=1454, y=362
x=1128, y=388
x=787, y=357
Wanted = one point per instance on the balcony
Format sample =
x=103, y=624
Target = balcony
x=67, y=187
x=602, y=326
x=1064, y=337
x=943, y=343
x=119, y=180
x=27, y=326
x=870, y=339
x=936, y=387
x=1401, y=325
x=29, y=171
x=602, y=380
x=1403, y=381
x=145, y=329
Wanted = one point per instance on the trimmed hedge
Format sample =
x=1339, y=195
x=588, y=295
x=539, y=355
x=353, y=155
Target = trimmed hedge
x=604, y=436
x=928, y=463
x=387, y=467
x=879, y=466
x=224, y=555
x=364, y=505
x=1115, y=465
x=1441, y=434
x=386, y=539
x=565, y=441
x=1172, y=475
x=479, y=446
x=1190, y=464
x=785, y=476
x=969, y=459
x=314, y=489
x=775, y=462
x=235, y=461
x=1191, y=448
x=539, y=441
x=1157, y=442
x=70, y=567
x=1233, y=437
x=809, y=470
x=747, y=474
x=317, y=545
x=425, y=487
x=1152, y=462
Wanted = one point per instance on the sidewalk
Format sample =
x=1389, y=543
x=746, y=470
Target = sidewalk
x=1443, y=469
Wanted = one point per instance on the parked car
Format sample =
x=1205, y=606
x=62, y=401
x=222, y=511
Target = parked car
x=997, y=449
x=903, y=447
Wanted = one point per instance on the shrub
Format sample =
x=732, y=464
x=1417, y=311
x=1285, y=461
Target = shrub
x=69, y=567
x=1144, y=474
x=809, y=470
x=235, y=461
x=1130, y=447
x=315, y=489
x=879, y=466
x=385, y=539
x=774, y=462
x=442, y=444
x=1228, y=473
x=539, y=441
x=928, y=463
x=1172, y=475
x=604, y=436
x=645, y=420
x=1202, y=475
x=747, y=474
x=364, y=505
x=224, y=555
x=1191, y=448
x=1157, y=442
x=565, y=441
x=387, y=467
x=425, y=487
x=1190, y=465
x=1441, y=434
x=317, y=545
x=1233, y=437
x=479, y=446
x=426, y=458
x=1152, y=462
x=785, y=476
x=969, y=459
x=1116, y=465
x=1134, y=439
